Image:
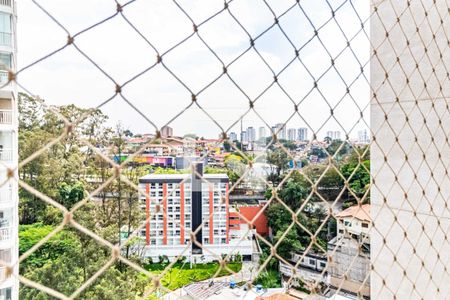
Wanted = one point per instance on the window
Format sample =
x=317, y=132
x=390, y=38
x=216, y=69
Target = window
x=5, y=294
x=365, y=225
x=348, y=223
x=5, y=29
x=5, y=60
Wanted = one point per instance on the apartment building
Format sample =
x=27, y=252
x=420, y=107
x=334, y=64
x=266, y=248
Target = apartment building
x=363, y=137
x=280, y=130
x=334, y=135
x=262, y=132
x=302, y=134
x=350, y=250
x=166, y=131
x=178, y=204
x=291, y=134
x=251, y=134
x=9, y=287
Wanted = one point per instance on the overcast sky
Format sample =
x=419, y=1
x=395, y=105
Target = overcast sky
x=68, y=77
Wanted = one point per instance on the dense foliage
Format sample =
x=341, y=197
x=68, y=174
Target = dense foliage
x=66, y=171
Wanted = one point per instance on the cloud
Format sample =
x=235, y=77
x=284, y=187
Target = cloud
x=68, y=77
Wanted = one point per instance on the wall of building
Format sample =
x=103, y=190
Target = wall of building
x=8, y=154
x=352, y=225
x=349, y=267
x=410, y=153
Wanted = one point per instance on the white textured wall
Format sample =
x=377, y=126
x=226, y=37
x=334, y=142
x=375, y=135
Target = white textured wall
x=410, y=155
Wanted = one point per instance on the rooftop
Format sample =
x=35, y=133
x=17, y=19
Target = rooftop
x=359, y=212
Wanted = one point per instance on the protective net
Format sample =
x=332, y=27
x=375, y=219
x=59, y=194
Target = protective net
x=337, y=185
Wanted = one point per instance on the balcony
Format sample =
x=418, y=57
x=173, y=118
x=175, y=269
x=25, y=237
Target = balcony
x=5, y=196
x=6, y=3
x=5, y=38
x=3, y=76
x=5, y=116
x=5, y=234
x=6, y=154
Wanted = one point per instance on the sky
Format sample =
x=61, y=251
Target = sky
x=122, y=53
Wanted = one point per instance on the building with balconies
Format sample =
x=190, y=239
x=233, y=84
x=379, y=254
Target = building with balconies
x=179, y=205
x=9, y=287
x=350, y=267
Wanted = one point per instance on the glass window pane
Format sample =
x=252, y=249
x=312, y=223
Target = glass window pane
x=5, y=60
x=5, y=29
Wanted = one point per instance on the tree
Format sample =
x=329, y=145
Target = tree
x=294, y=193
x=279, y=160
x=277, y=217
x=359, y=182
x=235, y=166
x=288, y=243
x=336, y=145
x=226, y=146
x=70, y=194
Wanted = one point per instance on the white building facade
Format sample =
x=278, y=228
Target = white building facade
x=9, y=287
x=291, y=134
x=302, y=134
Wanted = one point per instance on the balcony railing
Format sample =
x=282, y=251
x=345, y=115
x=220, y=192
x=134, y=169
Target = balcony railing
x=5, y=195
x=3, y=77
x=5, y=233
x=3, y=275
x=6, y=155
x=5, y=116
x=6, y=3
x=5, y=38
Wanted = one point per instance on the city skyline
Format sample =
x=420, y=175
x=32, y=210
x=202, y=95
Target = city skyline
x=222, y=101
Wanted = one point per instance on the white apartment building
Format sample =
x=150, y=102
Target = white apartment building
x=280, y=131
x=9, y=287
x=354, y=222
x=232, y=136
x=262, y=132
x=291, y=134
x=363, y=137
x=334, y=135
x=180, y=203
x=251, y=134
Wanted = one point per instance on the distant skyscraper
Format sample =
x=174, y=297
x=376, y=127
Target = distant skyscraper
x=274, y=130
x=291, y=134
x=232, y=136
x=281, y=131
x=9, y=287
x=244, y=137
x=337, y=135
x=251, y=134
x=166, y=131
x=334, y=135
x=302, y=134
x=262, y=132
x=363, y=137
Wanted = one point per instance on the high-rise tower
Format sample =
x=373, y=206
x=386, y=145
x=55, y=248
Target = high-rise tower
x=9, y=287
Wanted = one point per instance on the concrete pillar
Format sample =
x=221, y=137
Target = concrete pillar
x=410, y=122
